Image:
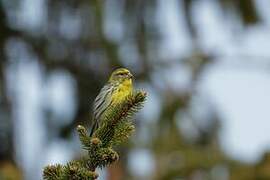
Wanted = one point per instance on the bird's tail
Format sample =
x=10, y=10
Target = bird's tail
x=94, y=127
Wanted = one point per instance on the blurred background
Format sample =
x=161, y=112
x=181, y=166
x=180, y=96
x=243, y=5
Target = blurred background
x=204, y=63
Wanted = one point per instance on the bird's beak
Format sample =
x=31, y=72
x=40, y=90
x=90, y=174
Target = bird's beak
x=130, y=76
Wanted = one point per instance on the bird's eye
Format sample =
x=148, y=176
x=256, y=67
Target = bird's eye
x=121, y=74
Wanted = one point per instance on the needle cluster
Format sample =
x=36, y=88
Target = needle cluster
x=116, y=128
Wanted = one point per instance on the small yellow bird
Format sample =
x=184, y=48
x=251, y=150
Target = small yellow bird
x=114, y=92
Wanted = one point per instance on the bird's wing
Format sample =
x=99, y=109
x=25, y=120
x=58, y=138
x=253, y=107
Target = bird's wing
x=103, y=100
x=101, y=103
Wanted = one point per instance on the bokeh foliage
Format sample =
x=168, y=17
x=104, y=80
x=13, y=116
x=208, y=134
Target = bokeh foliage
x=91, y=52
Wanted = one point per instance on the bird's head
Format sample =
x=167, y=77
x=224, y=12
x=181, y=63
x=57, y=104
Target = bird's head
x=120, y=75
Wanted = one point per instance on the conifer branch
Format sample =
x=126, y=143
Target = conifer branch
x=116, y=127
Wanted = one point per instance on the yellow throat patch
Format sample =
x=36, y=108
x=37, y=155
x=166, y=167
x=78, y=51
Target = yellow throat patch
x=122, y=91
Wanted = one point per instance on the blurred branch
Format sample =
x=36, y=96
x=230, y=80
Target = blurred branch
x=5, y=103
x=245, y=8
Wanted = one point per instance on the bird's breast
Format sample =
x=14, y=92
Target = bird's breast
x=122, y=91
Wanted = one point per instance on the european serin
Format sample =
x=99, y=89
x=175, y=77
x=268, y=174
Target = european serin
x=114, y=92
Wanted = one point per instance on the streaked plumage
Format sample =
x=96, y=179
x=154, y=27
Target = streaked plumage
x=115, y=91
